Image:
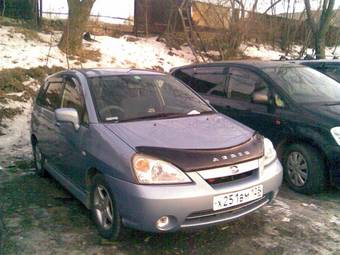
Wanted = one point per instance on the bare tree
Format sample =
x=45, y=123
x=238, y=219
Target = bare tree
x=78, y=16
x=320, y=26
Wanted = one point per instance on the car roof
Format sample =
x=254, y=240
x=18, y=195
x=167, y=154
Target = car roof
x=100, y=72
x=249, y=63
x=337, y=61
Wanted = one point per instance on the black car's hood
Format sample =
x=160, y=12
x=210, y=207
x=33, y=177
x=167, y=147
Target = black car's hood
x=327, y=115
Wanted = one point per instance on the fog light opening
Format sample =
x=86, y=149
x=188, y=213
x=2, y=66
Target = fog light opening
x=163, y=222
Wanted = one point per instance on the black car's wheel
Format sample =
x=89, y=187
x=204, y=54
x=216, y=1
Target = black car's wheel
x=39, y=160
x=304, y=169
x=104, y=210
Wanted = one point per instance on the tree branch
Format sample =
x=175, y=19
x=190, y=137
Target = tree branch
x=272, y=6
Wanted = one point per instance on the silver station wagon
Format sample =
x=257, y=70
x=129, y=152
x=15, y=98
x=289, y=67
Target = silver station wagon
x=140, y=149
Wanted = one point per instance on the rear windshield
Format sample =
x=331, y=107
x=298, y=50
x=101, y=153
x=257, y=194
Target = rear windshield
x=305, y=85
x=128, y=97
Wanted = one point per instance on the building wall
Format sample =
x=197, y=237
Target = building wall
x=210, y=15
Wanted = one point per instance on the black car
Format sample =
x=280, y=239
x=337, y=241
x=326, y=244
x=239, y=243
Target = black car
x=328, y=67
x=295, y=106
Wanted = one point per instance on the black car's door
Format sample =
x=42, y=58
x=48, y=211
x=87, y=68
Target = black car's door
x=72, y=157
x=243, y=87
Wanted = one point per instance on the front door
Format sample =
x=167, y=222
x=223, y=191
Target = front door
x=72, y=158
x=242, y=86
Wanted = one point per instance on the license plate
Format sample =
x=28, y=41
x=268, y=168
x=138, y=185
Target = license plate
x=237, y=198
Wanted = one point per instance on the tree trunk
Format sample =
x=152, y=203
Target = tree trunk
x=320, y=45
x=320, y=27
x=78, y=15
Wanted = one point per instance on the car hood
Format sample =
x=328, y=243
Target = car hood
x=328, y=115
x=211, y=131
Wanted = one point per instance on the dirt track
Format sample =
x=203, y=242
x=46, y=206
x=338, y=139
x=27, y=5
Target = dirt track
x=40, y=217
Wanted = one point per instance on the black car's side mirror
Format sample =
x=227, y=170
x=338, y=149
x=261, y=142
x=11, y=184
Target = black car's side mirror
x=68, y=115
x=260, y=98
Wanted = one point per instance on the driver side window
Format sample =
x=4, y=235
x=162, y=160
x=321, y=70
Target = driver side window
x=72, y=98
x=244, y=83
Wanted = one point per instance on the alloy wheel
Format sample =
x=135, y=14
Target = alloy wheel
x=297, y=168
x=103, y=207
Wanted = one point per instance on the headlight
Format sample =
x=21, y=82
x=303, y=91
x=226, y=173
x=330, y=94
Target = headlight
x=269, y=152
x=154, y=171
x=336, y=134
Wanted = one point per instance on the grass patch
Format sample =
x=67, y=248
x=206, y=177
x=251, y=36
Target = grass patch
x=8, y=113
x=84, y=55
x=29, y=35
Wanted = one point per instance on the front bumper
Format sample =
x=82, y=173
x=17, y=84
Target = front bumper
x=189, y=205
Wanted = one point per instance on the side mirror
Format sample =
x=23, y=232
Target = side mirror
x=68, y=115
x=260, y=98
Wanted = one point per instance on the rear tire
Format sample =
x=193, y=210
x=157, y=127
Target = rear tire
x=104, y=209
x=39, y=160
x=304, y=169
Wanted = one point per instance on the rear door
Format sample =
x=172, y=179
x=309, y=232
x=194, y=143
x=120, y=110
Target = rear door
x=72, y=157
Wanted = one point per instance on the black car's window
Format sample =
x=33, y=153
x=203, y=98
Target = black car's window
x=305, y=85
x=244, y=83
x=333, y=71
x=210, y=80
x=127, y=97
x=184, y=75
x=52, y=96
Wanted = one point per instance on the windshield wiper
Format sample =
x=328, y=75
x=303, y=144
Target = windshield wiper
x=156, y=116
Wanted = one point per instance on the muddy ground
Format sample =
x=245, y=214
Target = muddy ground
x=37, y=216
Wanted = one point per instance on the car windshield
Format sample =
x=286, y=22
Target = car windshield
x=136, y=97
x=306, y=85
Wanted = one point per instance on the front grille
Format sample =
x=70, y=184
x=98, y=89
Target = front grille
x=210, y=216
x=231, y=178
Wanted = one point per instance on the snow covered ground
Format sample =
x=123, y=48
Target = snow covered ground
x=126, y=51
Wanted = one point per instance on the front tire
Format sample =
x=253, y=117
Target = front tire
x=304, y=169
x=104, y=209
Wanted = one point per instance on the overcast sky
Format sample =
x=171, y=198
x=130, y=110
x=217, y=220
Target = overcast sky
x=125, y=8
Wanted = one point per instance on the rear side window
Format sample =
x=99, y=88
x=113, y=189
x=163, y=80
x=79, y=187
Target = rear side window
x=51, y=99
x=210, y=80
x=243, y=83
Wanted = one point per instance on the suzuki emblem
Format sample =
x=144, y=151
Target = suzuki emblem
x=234, y=169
